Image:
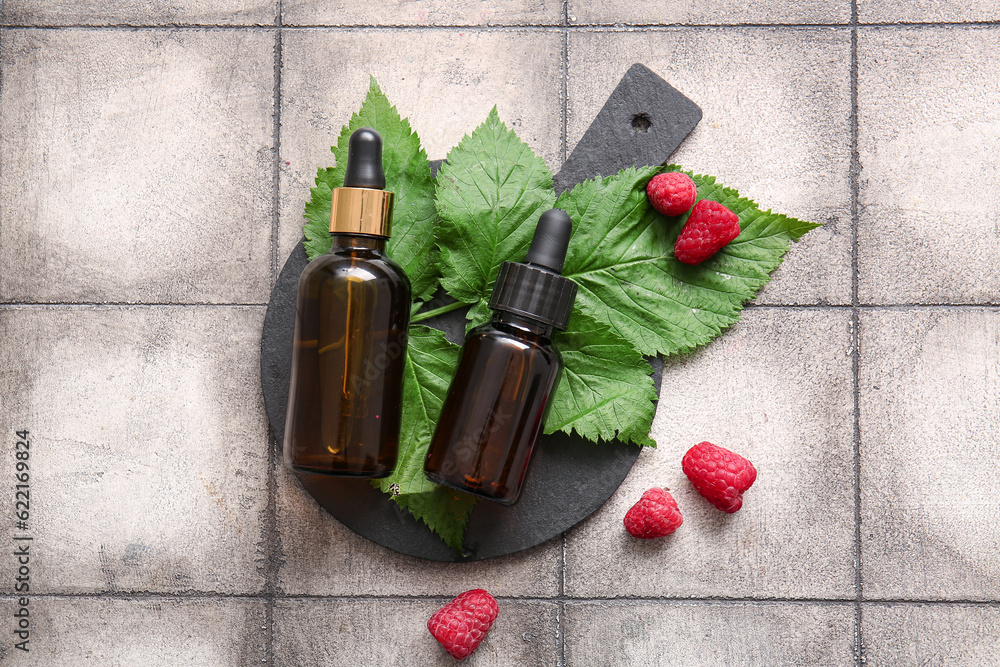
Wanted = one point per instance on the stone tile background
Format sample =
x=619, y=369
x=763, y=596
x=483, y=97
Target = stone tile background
x=154, y=160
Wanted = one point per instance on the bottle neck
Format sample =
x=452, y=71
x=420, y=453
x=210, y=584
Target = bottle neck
x=358, y=242
x=522, y=323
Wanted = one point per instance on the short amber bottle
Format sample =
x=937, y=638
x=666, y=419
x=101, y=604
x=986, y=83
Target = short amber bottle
x=353, y=309
x=495, y=407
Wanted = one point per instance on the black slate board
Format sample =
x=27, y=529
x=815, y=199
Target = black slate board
x=644, y=120
x=569, y=477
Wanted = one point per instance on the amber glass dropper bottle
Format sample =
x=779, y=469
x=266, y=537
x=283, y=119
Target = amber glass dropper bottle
x=495, y=407
x=353, y=309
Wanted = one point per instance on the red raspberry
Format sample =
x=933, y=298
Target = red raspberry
x=709, y=227
x=655, y=515
x=462, y=623
x=672, y=193
x=719, y=475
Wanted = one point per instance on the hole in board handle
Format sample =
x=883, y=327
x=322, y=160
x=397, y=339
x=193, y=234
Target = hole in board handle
x=641, y=123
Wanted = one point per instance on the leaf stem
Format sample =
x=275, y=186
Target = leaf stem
x=434, y=312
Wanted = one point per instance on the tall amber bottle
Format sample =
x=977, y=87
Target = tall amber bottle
x=353, y=309
x=496, y=404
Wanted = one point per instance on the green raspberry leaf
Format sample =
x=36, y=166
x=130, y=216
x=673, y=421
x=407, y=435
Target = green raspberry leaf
x=605, y=391
x=407, y=175
x=490, y=192
x=317, y=214
x=480, y=313
x=634, y=297
x=622, y=257
x=430, y=362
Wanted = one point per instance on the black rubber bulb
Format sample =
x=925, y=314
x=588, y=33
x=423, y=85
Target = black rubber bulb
x=548, y=246
x=364, y=160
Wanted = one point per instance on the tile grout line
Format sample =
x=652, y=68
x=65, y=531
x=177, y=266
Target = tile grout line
x=563, y=139
x=560, y=600
x=271, y=517
x=272, y=551
x=126, y=304
x=444, y=597
x=578, y=27
x=855, y=169
x=3, y=36
x=275, y=156
x=564, y=95
x=860, y=307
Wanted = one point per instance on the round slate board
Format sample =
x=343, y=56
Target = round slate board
x=643, y=121
x=568, y=480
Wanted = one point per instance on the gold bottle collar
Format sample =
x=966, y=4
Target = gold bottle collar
x=361, y=211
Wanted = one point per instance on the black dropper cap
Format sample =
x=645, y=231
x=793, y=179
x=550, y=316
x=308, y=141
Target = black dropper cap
x=535, y=289
x=548, y=245
x=364, y=160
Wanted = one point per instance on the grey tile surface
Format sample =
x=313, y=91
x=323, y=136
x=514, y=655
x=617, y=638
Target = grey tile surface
x=444, y=81
x=929, y=127
x=777, y=389
x=926, y=11
x=917, y=635
x=929, y=426
x=136, y=166
x=152, y=632
x=690, y=634
x=427, y=12
x=149, y=453
x=707, y=12
x=776, y=127
x=320, y=556
x=136, y=12
x=355, y=632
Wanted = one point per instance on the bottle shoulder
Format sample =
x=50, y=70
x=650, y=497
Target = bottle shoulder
x=499, y=335
x=370, y=267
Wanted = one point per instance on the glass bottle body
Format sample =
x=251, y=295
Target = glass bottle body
x=345, y=398
x=495, y=409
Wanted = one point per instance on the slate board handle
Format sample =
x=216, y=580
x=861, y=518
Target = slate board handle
x=643, y=122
